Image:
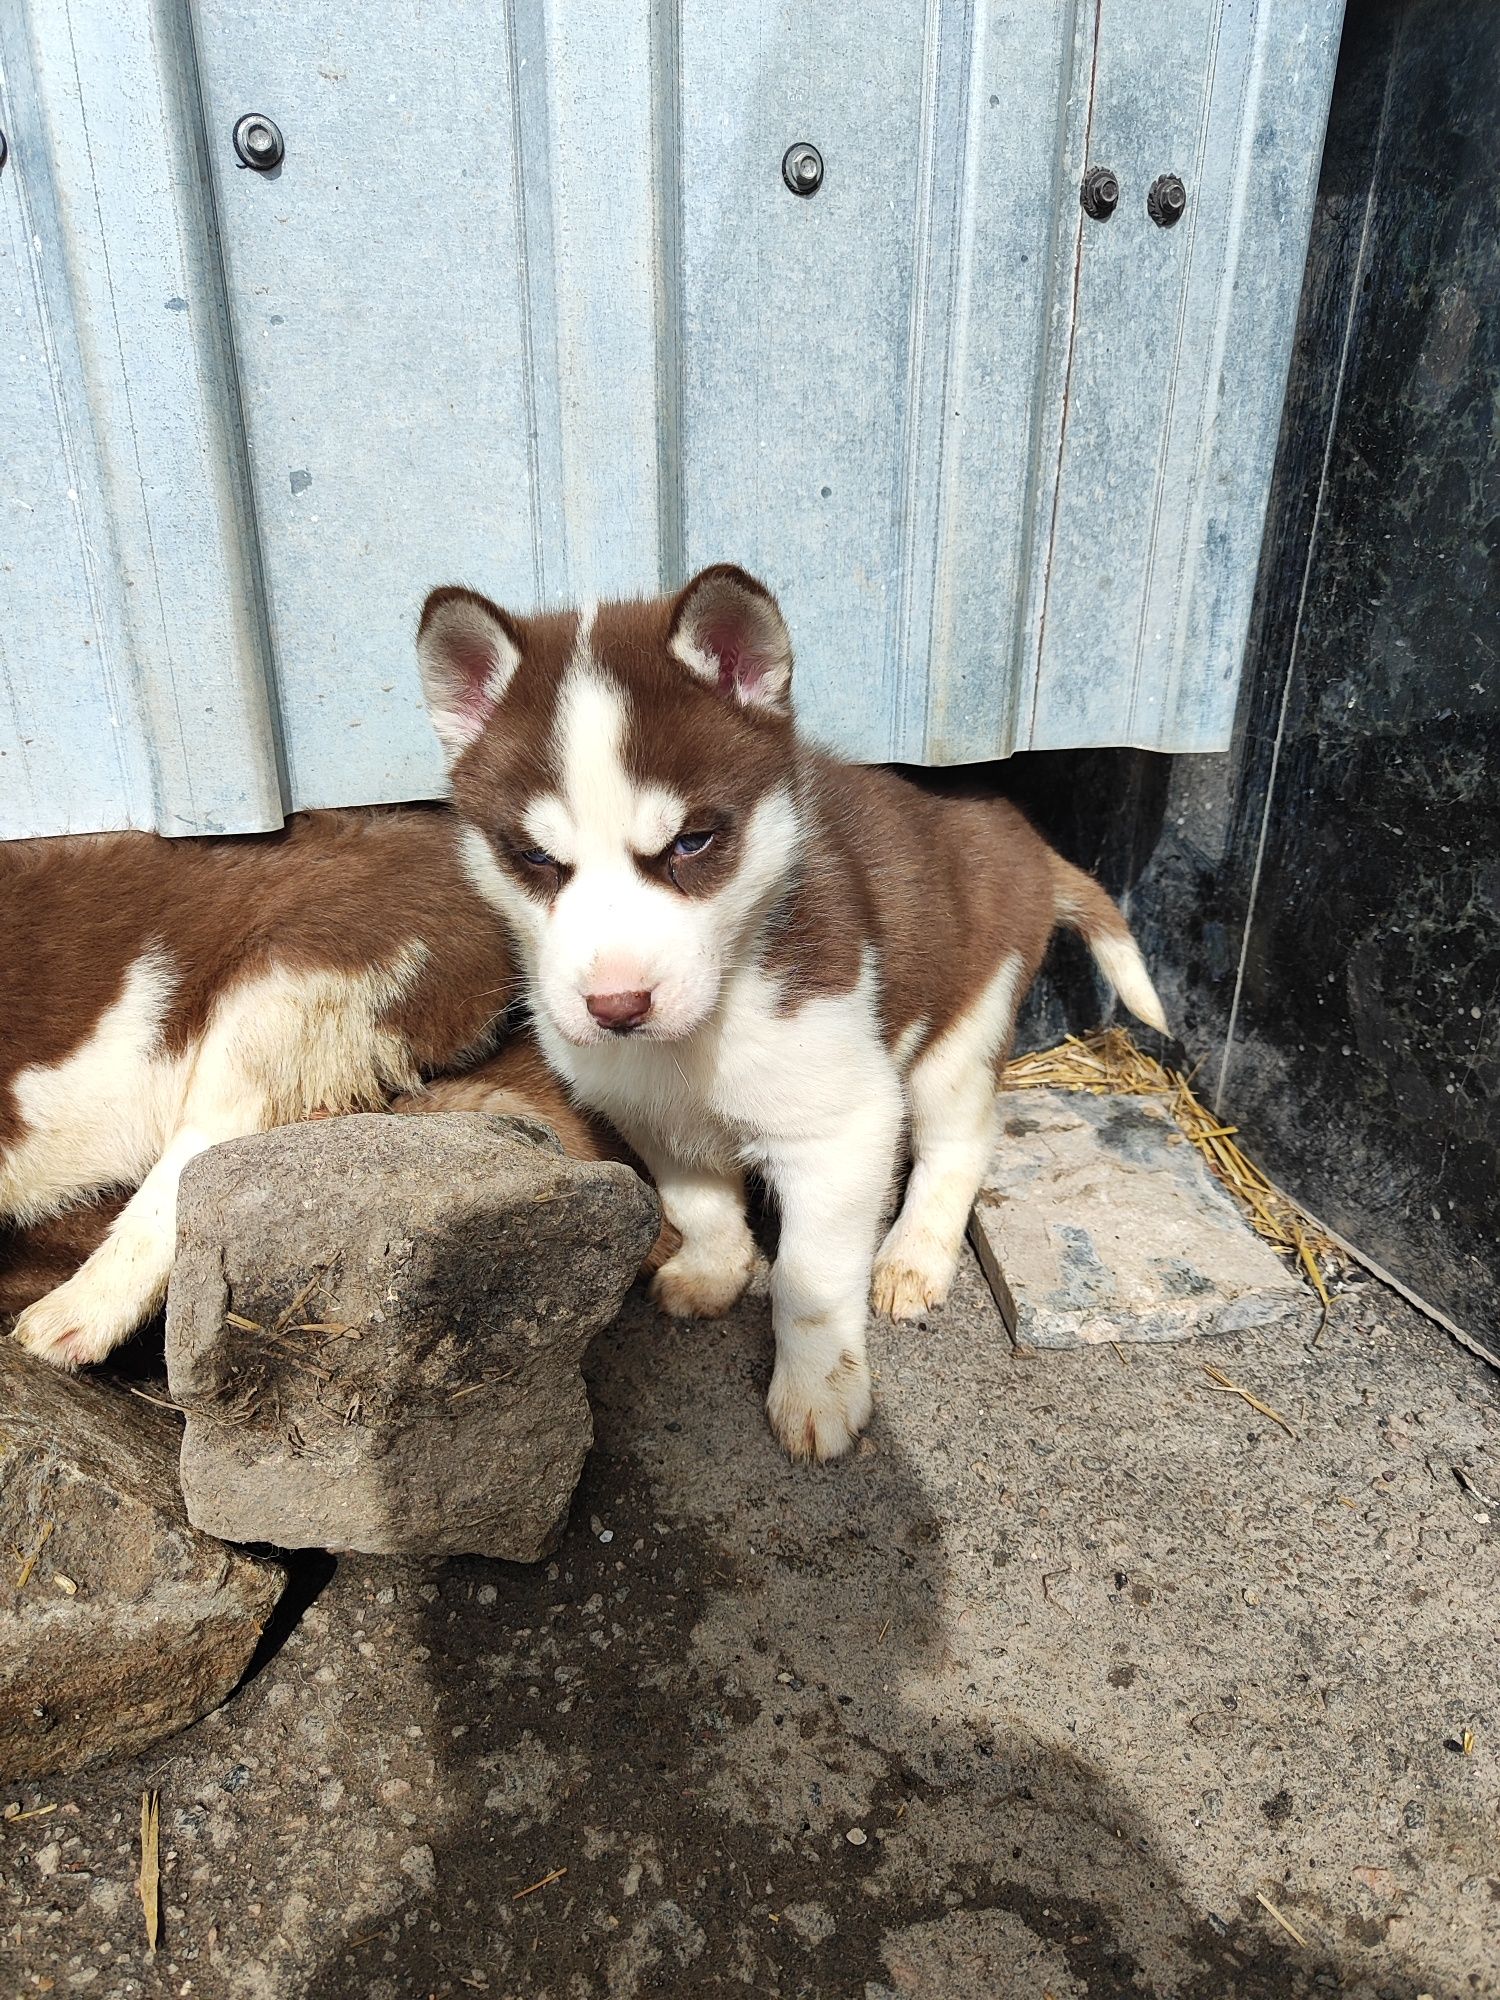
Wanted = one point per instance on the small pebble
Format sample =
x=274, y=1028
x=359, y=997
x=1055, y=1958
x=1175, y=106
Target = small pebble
x=856, y=1836
x=606, y=1534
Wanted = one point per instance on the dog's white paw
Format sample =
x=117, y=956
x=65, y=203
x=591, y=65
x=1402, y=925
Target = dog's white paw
x=818, y=1418
x=910, y=1277
x=700, y=1286
x=75, y=1325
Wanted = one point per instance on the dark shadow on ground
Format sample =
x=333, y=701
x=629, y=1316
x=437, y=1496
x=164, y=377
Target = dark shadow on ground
x=684, y=1741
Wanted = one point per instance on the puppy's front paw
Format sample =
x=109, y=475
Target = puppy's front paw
x=820, y=1417
x=910, y=1278
x=702, y=1287
x=663, y=1250
x=71, y=1327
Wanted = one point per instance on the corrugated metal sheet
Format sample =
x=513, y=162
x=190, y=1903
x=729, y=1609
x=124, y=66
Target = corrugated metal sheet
x=528, y=305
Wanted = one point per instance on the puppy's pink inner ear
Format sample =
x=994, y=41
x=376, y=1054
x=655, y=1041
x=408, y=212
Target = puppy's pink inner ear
x=727, y=630
x=467, y=651
x=741, y=671
x=473, y=664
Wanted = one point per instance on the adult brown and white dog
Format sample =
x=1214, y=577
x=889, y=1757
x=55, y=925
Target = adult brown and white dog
x=748, y=956
x=158, y=996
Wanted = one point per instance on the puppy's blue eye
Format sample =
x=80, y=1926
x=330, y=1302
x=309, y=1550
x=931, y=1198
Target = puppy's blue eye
x=537, y=857
x=690, y=843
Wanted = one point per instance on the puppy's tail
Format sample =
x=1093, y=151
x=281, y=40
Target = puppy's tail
x=1084, y=907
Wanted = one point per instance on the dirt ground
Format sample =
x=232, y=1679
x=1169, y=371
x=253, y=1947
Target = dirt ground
x=1078, y=1660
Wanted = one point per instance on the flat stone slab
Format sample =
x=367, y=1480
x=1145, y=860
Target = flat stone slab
x=375, y=1327
x=119, y=1623
x=1098, y=1220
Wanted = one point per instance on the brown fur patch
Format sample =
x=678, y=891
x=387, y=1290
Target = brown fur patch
x=941, y=888
x=35, y=1260
x=331, y=891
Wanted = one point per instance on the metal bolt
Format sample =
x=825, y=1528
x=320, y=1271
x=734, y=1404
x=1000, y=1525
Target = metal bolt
x=1100, y=193
x=258, y=141
x=802, y=168
x=1166, y=198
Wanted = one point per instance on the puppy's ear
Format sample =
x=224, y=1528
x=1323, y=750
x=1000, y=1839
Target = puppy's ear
x=728, y=630
x=467, y=649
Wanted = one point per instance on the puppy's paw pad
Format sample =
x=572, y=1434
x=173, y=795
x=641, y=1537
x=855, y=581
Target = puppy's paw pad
x=691, y=1289
x=817, y=1420
x=53, y=1335
x=76, y=1324
x=907, y=1290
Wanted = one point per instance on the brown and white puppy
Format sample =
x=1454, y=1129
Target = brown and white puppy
x=748, y=956
x=158, y=996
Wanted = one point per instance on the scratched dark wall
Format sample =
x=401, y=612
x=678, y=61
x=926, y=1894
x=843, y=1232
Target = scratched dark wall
x=1324, y=903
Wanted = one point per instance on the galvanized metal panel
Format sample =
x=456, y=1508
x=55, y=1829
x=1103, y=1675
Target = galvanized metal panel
x=1023, y=162
x=63, y=761
x=590, y=155
x=1221, y=450
x=797, y=334
x=162, y=717
x=1178, y=355
x=380, y=319
x=448, y=307
x=528, y=304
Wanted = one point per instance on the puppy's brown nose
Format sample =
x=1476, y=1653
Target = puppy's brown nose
x=618, y=1010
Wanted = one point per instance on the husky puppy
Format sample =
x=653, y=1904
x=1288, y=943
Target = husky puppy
x=748, y=956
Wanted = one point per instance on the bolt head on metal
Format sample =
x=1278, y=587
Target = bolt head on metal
x=1166, y=198
x=258, y=141
x=1100, y=193
x=802, y=168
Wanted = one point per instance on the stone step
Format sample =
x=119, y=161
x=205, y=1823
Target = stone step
x=1100, y=1221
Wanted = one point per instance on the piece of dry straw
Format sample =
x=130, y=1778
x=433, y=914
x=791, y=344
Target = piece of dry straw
x=1108, y=1061
x=149, y=1880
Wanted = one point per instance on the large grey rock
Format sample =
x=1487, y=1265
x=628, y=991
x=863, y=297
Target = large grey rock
x=375, y=1327
x=1099, y=1221
x=119, y=1623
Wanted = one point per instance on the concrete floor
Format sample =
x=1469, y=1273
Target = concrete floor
x=1030, y=1697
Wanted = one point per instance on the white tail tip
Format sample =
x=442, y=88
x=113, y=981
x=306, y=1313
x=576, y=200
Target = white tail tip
x=1119, y=959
